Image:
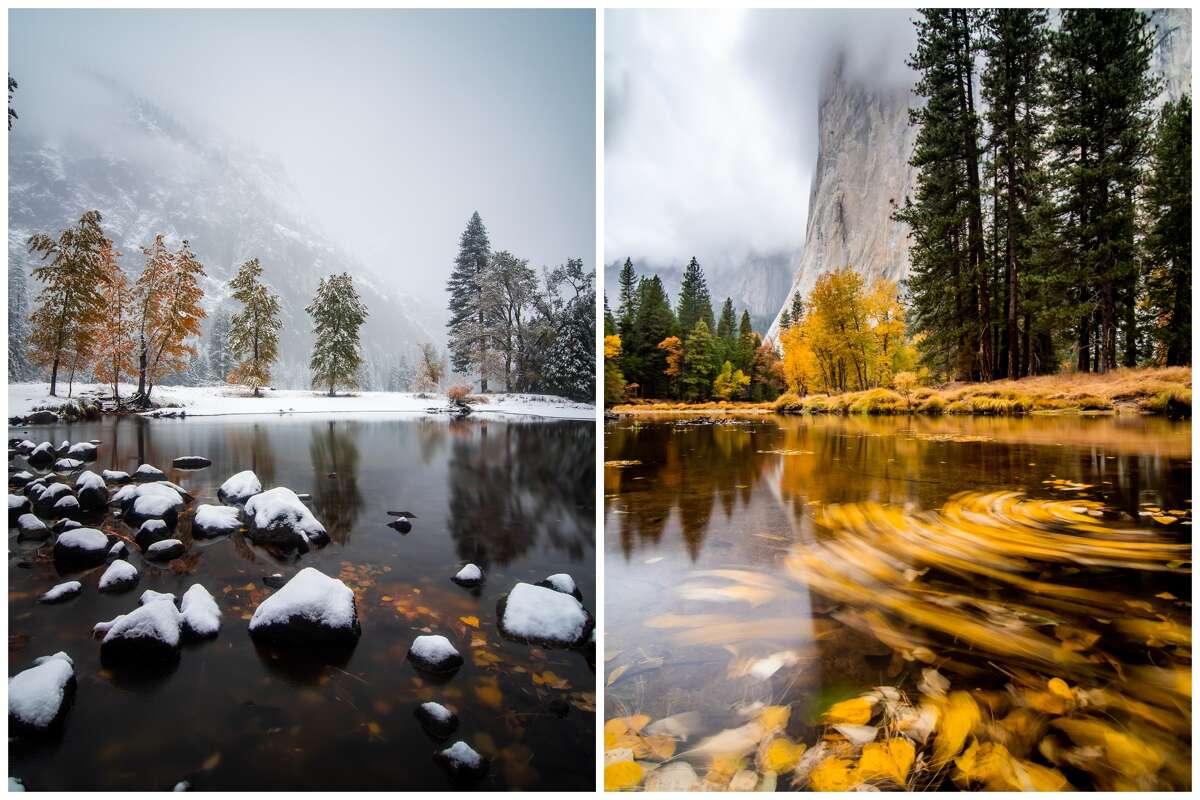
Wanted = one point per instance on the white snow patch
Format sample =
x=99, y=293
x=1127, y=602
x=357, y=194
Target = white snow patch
x=434, y=649
x=148, y=471
x=309, y=594
x=61, y=590
x=241, y=487
x=118, y=571
x=151, y=596
x=156, y=620
x=535, y=612
x=462, y=755
x=216, y=518
x=89, y=480
x=281, y=506
x=165, y=544
x=469, y=574
x=88, y=539
x=438, y=711
x=36, y=695
x=114, y=475
x=201, y=614
x=562, y=582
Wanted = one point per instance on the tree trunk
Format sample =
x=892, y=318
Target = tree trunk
x=975, y=209
x=1085, y=333
x=54, y=376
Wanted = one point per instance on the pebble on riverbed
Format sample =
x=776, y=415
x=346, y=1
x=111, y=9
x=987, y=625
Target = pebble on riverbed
x=84, y=451
x=539, y=615
x=311, y=609
x=469, y=575
x=115, y=476
x=462, y=762
x=118, y=550
x=157, y=500
x=68, y=465
x=61, y=593
x=19, y=479
x=437, y=720
x=67, y=507
x=41, y=456
x=121, y=576
x=43, y=505
x=18, y=506
x=434, y=653
x=38, y=698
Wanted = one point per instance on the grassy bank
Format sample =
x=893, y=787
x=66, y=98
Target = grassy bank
x=1164, y=391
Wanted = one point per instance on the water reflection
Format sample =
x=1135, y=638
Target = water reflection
x=337, y=500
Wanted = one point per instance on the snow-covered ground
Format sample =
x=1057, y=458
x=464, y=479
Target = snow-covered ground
x=207, y=401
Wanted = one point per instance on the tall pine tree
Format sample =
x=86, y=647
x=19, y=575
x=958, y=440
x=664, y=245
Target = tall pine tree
x=337, y=314
x=695, y=304
x=253, y=331
x=1168, y=243
x=468, y=288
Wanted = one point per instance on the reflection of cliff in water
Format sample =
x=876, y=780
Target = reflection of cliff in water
x=337, y=500
x=518, y=485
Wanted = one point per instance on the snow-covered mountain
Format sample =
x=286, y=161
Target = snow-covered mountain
x=154, y=176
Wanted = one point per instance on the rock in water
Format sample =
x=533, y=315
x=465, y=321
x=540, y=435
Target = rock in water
x=61, y=593
x=84, y=451
x=118, y=550
x=538, y=615
x=64, y=525
x=165, y=550
x=115, y=476
x=91, y=491
x=310, y=609
x=437, y=720
x=121, y=576
x=191, y=462
x=18, y=506
x=402, y=525
x=159, y=500
x=38, y=698
x=30, y=527
x=151, y=532
x=278, y=517
x=435, y=654
x=239, y=488
x=20, y=479
x=201, y=614
x=146, y=472
x=212, y=521
x=68, y=465
x=67, y=507
x=462, y=762
x=15, y=784
x=41, y=456
x=44, y=504
x=147, y=637
x=562, y=582
x=80, y=547
x=469, y=575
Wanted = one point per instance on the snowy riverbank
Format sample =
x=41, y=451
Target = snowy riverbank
x=209, y=401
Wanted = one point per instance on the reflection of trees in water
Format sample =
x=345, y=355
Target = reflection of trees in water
x=516, y=486
x=431, y=438
x=249, y=447
x=688, y=469
x=333, y=450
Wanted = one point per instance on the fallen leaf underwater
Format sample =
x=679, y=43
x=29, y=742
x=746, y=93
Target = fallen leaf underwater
x=1017, y=671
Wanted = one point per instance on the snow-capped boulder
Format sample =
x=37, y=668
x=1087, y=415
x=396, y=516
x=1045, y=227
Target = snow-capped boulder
x=562, y=582
x=67, y=507
x=115, y=476
x=437, y=720
x=20, y=479
x=61, y=593
x=469, y=575
x=84, y=451
x=33, y=490
x=539, y=615
x=151, y=531
x=435, y=654
x=462, y=762
x=68, y=465
x=310, y=609
x=201, y=614
x=403, y=525
x=277, y=517
x=146, y=472
x=121, y=576
x=80, y=547
x=45, y=501
x=211, y=521
x=239, y=488
x=158, y=500
x=91, y=491
x=15, y=784
x=151, y=596
x=18, y=506
x=41, y=456
x=63, y=448
x=30, y=527
x=165, y=550
x=191, y=462
x=38, y=698
x=64, y=525
x=148, y=636
x=24, y=446
x=118, y=550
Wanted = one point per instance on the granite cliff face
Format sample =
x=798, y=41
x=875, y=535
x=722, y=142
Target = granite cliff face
x=862, y=172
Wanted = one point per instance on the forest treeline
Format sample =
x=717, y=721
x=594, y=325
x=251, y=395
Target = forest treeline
x=1050, y=229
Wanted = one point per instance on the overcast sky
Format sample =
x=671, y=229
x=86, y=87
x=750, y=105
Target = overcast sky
x=393, y=125
x=711, y=123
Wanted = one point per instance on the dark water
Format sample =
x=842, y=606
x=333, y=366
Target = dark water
x=701, y=519
x=517, y=498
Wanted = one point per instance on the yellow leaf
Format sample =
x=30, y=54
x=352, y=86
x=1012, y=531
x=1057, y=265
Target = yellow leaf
x=834, y=774
x=622, y=775
x=1163, y=519
x=631, y=724
x=774, y=718
x=1059, y=687
x=781, y=755
x=660, y=747
x=856, y=711
x=472, y=621
x=891, y=760
x=489, y=695
x=722, y=768
x=959, y=716
x=615, y=674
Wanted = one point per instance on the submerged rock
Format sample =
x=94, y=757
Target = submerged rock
x=462, y=762
x=402, y=525
x=239, y=488
x=437, y=720
x=469, y=575
x=539, y=615
x=211, y=521
x=191, y=462
x=310, y=609
x=277, y=517
x=165, y=550
x=39, y=697
x=434, y=653
x=121, y=576
x=30, y=527
x=147, y=637
x=91, y=491
x=201, y=614
x=80, y=547
x=61, y=593
x=146, y=472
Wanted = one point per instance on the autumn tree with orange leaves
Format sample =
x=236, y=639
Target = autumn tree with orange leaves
x=168, y=313
x=113, y=341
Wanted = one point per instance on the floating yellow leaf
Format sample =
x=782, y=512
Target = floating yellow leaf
x=780, y=755
x=660, y=747
x=549, y=679
x=1163, y=519
x=622, y=775
x=489, y=695
x=630, y=724
x=774, y=718
x=890, y=760
x=1059, y=687
x=615, y=674
x=834, y=774
x=959, y=716
x=856, y=711
x=722, y=769
x=472, y=621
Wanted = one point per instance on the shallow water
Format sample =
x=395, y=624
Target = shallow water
x=515, y=497
x=701, y=520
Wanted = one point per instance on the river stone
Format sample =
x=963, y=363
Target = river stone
x=67, y=506
x=115, y=476
x=165, y=550
x=84, y=451
x=18, y=506
x=437, y=720
x=462, y=762
x=30, y=527
x=469, y=575
x=151, y=532
x=20, y=479
x=239, y=488
x=191, y=462
x=91, y=491
x=543, y=616
x=146, y=472
x=434, y=653
x=312, y=609
x=41, y=456
x=64, y=525
x=121, y=576
x=61, y=593
x=81, y=547
x=39, y=697
x=45, y=501
x=145, y=638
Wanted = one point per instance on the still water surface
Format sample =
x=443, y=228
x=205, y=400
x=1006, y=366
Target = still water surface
x=743, y=550
x=514, y=497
